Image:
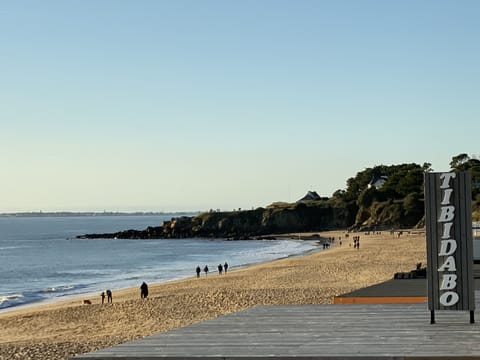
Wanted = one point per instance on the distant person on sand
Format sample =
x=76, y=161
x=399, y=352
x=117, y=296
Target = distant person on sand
x=198, y=271
x=220, y=269
x=103, y=297
x=225, y=267
x=143, y=290
x=109, y=296
x=206, y=270
x=356, y=242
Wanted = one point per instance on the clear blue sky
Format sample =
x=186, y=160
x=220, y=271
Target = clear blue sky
x=191, y=105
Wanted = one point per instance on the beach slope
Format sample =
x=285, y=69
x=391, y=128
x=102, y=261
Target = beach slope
x=62, y=329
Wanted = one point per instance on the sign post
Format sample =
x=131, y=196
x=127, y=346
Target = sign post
x=448, y=219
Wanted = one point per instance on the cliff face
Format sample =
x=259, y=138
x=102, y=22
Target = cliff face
x=388, y=214
x=281, y=218
x=276, y=218
x=396, y=202
x=262, y=221
x=305, y=216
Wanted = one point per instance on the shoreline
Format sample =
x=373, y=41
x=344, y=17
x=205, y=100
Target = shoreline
x=94, y=294
x=60, y=330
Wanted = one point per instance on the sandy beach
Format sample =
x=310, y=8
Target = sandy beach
x=61, y=329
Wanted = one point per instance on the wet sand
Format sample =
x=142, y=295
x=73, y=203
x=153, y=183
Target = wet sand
x=61, y=329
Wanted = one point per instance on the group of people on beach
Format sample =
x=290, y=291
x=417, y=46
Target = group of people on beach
x=221, y=268
x=144, y=287
x=356, y=242
x=108, y=294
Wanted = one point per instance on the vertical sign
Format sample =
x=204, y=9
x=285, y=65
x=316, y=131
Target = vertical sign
x=448, y=218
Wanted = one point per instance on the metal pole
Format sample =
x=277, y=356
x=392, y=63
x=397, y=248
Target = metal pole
x=472, y=317
x=432, y=316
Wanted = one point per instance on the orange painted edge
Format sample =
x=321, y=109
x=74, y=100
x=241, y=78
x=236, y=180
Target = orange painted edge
x=379, y=299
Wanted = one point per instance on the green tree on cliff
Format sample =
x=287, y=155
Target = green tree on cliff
x=463, y=162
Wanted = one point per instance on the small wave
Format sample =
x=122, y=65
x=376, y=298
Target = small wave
x=5, y=298
x=279, y=249
x=12, y=247
x=58, y=289
x=13, y=300
x=28, y=297
x=83, y=272
x=128, y=278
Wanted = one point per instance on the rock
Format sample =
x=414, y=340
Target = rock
x=244, y=225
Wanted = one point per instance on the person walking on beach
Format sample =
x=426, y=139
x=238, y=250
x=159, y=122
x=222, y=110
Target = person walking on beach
x=220, y=269
x=109, y=296
x=198, y=271
x=225, y=267
x=143, y=290
x=103, y=297
x=206, y=270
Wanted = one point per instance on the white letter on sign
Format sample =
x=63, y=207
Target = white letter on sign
x=449, y=282
x=446, y=197
x=447, y=213
x=446, y=179
x=449, y=298
x=446, y=230
x=448, y=247
x=448, y=265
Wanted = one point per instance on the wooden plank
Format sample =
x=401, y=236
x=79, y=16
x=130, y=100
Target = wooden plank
x=307, y=332
x=393, y=287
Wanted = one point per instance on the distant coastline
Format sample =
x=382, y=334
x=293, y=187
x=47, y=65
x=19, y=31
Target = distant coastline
x=92, y=213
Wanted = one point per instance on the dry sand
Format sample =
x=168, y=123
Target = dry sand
x=62, y=329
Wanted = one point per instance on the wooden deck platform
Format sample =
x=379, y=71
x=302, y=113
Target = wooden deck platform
x=389, y=292
x=411, y=290
x=307, y=332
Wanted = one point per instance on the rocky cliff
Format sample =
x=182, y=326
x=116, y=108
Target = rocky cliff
x=386, y=215
x=366, y=204
x=274, y=219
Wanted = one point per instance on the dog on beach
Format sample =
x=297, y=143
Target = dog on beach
x=87, y=302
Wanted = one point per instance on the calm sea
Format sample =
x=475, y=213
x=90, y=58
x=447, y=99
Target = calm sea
x=40, y=259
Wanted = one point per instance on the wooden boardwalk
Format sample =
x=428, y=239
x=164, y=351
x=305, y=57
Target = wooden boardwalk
x=387, y=292
x=307, y=332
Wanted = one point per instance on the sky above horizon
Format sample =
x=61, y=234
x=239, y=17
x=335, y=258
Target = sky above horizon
x=191, y=105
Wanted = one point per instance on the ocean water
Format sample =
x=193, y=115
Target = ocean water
x=41, y=260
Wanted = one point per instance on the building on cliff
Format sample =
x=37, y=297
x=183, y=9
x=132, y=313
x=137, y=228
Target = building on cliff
x=311, y=195
x=377, y=181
